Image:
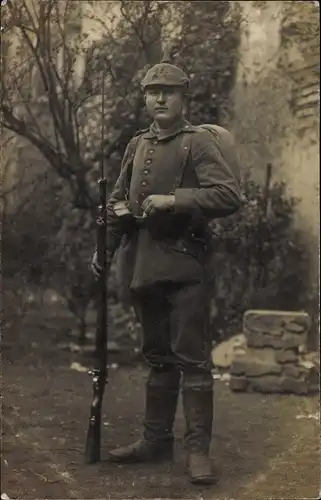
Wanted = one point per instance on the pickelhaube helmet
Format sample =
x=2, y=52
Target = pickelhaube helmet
x=165, y=73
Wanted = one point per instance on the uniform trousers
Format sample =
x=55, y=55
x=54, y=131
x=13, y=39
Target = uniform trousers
x=175, y=319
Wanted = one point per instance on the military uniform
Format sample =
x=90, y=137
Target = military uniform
x=164, y=264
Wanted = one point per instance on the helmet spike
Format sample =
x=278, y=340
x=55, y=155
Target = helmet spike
x=165, y=72
x=169, y=54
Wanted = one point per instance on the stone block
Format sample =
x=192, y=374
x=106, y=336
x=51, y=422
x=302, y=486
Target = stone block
x=268, y=384
x=285, y=356
x=276, y=324
x=265, y=355
x=293, y=385
x=293, y=371
x=272, y=384
x=224, y=353
x=313, y=377
x=286, y=341
x=238, y=384
x=251, y=367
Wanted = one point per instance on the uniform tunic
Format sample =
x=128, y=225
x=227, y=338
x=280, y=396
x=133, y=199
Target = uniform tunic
x=208, y=189
x=163, y=262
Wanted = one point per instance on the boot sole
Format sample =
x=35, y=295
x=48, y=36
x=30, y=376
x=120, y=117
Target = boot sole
x=168, y=457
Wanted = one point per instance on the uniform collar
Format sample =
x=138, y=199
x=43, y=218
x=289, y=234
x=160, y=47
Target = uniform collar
x=180, y=126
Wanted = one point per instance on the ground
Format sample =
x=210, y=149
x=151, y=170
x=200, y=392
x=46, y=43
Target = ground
x=264, y=447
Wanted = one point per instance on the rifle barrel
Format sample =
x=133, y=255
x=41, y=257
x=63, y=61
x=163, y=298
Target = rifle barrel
x=99, y=373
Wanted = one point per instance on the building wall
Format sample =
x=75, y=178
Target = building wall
x=276, y=103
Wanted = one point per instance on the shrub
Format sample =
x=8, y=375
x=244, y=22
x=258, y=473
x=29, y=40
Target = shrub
x=260, y=257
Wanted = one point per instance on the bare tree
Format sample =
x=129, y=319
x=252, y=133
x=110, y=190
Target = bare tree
x=54, y=56
x=51, y=77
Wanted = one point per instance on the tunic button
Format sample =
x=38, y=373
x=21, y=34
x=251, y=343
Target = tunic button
x=155, y=142
x=145, y=171
x=144, y=183
x=151, y=151
x=148, y=161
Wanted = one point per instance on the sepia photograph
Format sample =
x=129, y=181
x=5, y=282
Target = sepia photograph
x=160, y=240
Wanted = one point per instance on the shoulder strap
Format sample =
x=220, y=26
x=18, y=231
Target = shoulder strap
x=131, y=155
x=132, y=148
x=185, y=150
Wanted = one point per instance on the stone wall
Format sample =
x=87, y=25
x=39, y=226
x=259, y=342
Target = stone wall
x=276, y=103
x=274, y=359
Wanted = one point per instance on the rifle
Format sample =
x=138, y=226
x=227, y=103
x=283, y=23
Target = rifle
x=99, y=372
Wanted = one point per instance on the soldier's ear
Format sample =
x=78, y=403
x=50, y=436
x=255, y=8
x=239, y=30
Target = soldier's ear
x=185, y=108
x=185, y=97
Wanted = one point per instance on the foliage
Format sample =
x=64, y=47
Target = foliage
x=212, y=61
x=27, y=233
x=52, y=70
x=55, y=75
x=67, y=265
x=261, y=258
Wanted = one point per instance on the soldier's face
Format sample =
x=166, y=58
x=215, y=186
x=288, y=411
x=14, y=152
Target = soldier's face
x=164, y=104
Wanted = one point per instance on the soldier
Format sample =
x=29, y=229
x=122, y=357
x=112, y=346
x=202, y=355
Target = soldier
x=175, y=178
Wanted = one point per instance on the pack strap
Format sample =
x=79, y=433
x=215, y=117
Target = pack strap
x=185, y=150
x=129, y=164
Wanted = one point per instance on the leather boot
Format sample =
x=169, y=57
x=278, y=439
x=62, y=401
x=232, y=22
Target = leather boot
x=162, y=391
x=198, y=410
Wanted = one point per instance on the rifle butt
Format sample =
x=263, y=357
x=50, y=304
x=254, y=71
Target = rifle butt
x=93, y=444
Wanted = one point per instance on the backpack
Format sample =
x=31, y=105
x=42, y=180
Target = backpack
x=224, y=142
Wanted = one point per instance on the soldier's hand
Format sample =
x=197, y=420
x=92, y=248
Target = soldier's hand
x=95, y=267
x=157, y=202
